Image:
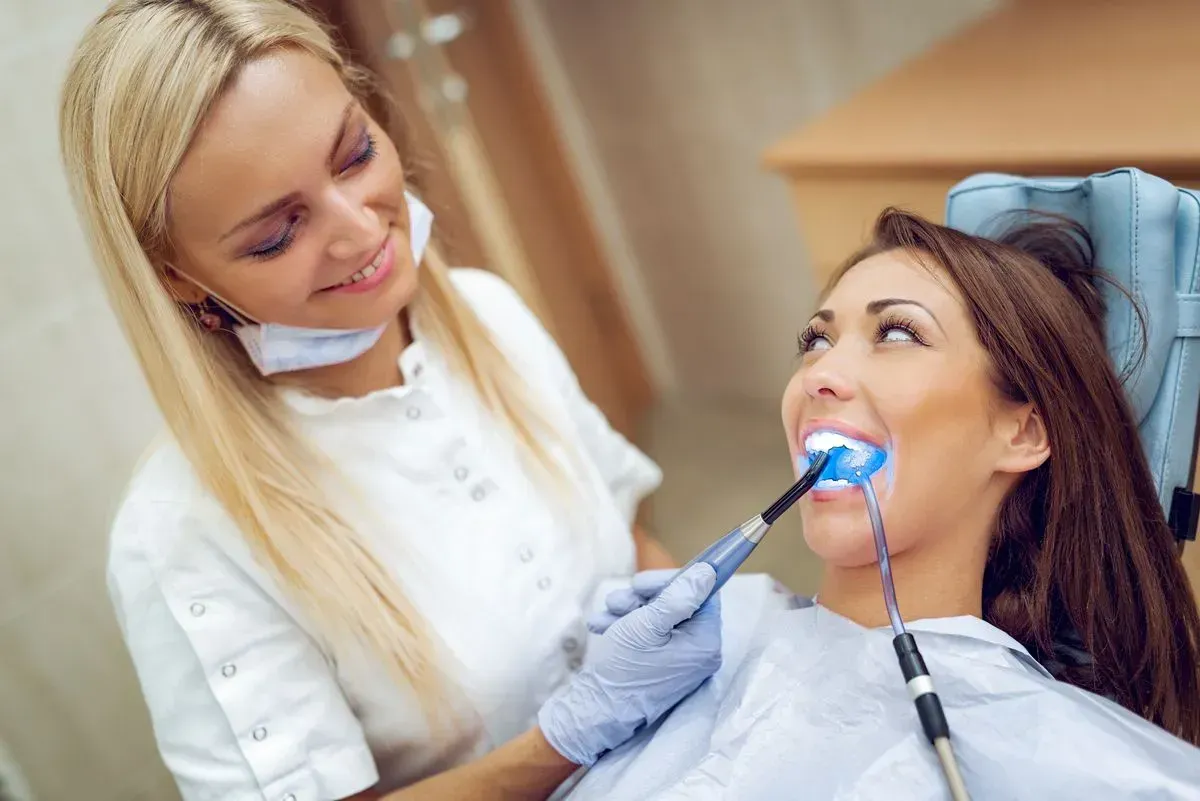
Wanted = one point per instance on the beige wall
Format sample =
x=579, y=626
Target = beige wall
x=678, y=99
x=75, y=417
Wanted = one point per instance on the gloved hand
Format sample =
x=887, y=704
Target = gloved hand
x=618, y=603
x=649, y=660
x=646, y=585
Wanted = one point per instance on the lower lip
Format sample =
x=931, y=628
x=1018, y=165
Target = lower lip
x=376, y=278
x=827, y=495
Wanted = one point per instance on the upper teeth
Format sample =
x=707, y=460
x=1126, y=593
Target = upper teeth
x=824, y=440
x=365, y=272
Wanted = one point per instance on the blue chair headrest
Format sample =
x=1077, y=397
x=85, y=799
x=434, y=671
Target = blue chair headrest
x=1146, y=234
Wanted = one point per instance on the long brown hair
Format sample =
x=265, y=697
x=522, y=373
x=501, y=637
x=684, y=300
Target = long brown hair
x=1083, y=569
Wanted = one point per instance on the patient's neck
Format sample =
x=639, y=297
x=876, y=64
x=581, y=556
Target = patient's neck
x=930, y=582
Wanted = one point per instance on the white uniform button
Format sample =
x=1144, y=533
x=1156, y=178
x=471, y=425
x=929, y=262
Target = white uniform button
x=570, y=644
x=197, y=610
x=525, y=554
x=259, y=734
x=229, y=670
x=417, y=370
x=461, y=473
x=575, y=663
x=478, y=494
x=289, y=797
x=544, y=583
x=413, y=413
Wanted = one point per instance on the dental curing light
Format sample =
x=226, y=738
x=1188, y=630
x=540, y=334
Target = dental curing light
x=727, y=554
x=916, y=675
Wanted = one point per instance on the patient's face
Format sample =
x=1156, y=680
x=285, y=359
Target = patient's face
x=892, y=358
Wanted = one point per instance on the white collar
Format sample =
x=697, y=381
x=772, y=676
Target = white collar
x=413, y=362
x=966, y=626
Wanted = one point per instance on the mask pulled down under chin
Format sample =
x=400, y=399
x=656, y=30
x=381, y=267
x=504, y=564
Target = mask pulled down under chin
x=276, y=348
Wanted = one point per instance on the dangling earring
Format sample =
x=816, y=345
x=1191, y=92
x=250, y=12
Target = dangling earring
x=209, y=321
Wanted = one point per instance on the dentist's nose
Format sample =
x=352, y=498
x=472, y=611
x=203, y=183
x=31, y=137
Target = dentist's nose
x=832, y=376
x=355, y=226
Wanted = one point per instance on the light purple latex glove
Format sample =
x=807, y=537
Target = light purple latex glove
x=618, y=603
x=648, y=661
x=646, y=585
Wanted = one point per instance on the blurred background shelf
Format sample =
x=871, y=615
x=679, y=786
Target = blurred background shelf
x=1040, y=87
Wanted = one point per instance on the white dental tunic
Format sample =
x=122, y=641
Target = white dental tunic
x=246, y=702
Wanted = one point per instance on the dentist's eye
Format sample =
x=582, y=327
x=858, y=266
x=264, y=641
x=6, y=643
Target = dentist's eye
x=813, y=338
x=366, y=151
x=898, y=330
x=278, y=243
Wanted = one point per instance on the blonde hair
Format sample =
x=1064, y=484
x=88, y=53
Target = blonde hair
x=141, y=83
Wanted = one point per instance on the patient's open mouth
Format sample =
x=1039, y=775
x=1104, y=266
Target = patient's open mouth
x=850, y=459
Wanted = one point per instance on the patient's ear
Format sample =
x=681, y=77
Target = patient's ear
x=181, y=289
x=1024, y=444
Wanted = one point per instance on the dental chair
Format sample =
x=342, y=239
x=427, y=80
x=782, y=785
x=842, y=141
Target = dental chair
x=1146, y=234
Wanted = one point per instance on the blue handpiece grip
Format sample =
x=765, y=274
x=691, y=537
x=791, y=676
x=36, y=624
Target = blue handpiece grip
x=724, y=556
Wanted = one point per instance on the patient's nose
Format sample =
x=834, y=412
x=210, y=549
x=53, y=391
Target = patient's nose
x=831, y=376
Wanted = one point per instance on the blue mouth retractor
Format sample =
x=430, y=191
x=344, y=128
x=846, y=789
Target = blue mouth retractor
x=852, y=465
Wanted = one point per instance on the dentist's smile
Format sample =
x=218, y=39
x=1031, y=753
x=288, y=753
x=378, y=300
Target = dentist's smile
x=373, y=274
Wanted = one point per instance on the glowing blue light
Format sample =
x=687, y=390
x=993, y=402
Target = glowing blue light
x=853, y=464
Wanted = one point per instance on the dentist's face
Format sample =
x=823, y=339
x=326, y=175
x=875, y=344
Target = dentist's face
x=289, y=204
x=893, y=359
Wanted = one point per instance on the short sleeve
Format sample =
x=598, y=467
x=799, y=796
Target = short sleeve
x=244, y=705
x=629, y=474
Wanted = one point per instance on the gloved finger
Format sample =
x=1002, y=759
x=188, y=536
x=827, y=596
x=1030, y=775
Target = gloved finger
x=623, y=601
x=650, y=583
x=599, y=622
x=619, y=603
x=681, y=598
x=710, y=608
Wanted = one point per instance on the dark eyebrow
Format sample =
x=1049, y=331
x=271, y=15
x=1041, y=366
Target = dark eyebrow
x=876, y=306
x=275, y=206
x=262, y=214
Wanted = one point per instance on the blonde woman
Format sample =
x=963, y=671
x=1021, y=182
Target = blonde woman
x=357, y=568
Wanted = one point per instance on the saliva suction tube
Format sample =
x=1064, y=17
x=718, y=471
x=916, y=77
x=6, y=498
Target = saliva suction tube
x=912, y=665
x=838, y=463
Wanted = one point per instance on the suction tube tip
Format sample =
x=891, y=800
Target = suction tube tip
x=797, y=490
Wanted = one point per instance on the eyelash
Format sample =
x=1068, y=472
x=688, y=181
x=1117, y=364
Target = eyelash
x=905, y=324
x=366, y=155
x=809, y=335
x=815, y=331
x=281, y=244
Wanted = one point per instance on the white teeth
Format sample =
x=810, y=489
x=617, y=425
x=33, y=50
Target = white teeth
x=367, y=271
x=824, y=440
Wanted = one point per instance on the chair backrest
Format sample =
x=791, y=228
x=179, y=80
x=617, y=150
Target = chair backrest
x=1147, y=236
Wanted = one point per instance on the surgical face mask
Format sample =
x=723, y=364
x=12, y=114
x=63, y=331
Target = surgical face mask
x=276, y=348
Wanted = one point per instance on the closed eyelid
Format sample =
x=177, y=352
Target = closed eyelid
x=279, y=231
x=361, y=141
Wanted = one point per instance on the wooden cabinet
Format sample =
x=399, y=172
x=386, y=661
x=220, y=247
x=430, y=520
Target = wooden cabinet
x=1042, y=87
